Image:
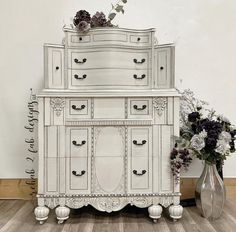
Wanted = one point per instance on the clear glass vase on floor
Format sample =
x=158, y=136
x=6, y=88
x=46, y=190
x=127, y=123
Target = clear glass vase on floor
x=210, y=193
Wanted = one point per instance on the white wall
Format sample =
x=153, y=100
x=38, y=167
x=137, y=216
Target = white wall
x=203, y=30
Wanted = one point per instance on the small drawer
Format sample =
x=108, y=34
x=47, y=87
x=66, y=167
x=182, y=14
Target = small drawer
x=140, y=39
x=76, y=40
x=78, y=108
x=78, y=175
x=140, y=139
x=78, y=141
x=139, y=108
x=140, y=174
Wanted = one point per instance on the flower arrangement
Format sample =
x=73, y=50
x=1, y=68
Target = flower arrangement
x=83, y=20
x=203, y=134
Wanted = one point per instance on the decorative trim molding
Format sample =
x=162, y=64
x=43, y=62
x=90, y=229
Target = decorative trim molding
x=159, y=103
x=57, y=105
x=110, y=123
x=110, y=204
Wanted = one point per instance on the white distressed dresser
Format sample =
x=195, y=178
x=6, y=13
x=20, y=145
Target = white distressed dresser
x=108, y=114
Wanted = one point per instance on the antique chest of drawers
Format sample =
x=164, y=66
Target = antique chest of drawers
x=108, y=114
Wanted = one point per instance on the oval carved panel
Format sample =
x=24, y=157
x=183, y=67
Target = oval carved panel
x=109, y=152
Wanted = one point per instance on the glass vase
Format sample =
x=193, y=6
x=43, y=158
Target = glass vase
x=210, y=193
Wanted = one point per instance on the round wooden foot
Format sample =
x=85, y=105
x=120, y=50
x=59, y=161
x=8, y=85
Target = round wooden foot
x=62, y=213
x=155, y=212
x=41, y=214
x=176, y=212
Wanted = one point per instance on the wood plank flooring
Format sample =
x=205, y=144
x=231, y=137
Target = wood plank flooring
x=18, y=216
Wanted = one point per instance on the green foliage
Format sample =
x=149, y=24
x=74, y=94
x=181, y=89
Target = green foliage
x=117, y=8
x=111, y=16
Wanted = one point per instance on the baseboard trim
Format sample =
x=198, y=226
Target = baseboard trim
x=187, y=186
x=19, y=189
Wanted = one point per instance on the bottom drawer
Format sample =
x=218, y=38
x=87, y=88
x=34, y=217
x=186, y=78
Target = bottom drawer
x=140, y=174
x=78, y=175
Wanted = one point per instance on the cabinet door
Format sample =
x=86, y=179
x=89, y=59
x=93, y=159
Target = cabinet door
x=164, y=66
x=54, y=67
x=140, y=159
x=109, y=158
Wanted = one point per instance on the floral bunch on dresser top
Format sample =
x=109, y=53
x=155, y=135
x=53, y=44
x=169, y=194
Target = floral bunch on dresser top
x=83, y=21
x=203, y=134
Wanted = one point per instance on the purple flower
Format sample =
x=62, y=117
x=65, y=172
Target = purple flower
x=173, y=154
x=213, y=128
x=193, y=116
x=83, y=26
x=210, y=143
x=99, y=20
x=80, y=16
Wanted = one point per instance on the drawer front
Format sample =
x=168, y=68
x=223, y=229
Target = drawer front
x=116, y=58
x=103, y=78
x=78, y=175
x=140, y=159
x=78, y=108
x=140, y=174
x=140, y=108
x=140, y=139
x=109, y=108
x=109, y=37
x=140, y=39
x=78, y=141
x=54, y=67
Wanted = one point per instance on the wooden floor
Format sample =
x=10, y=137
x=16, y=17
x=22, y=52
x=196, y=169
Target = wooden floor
x=17, y=215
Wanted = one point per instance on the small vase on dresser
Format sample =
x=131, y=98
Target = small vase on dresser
x=108, y=115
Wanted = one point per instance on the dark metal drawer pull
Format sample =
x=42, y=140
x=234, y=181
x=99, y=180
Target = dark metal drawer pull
x=78, y=144
x=80, y=78
x=138, y=39
x=80, y=62
x=57, y=67
x=161, y=68
x=141, y=77
x=139, y=144
x=77, y=174
x=140, y=108
x=139, y=62
x=139, y=174
x=74, y=107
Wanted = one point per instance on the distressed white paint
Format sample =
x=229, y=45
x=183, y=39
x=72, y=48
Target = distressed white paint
x=205, y=52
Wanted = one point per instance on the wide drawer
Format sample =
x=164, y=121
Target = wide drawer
x=100, y=78
x=108, y=59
